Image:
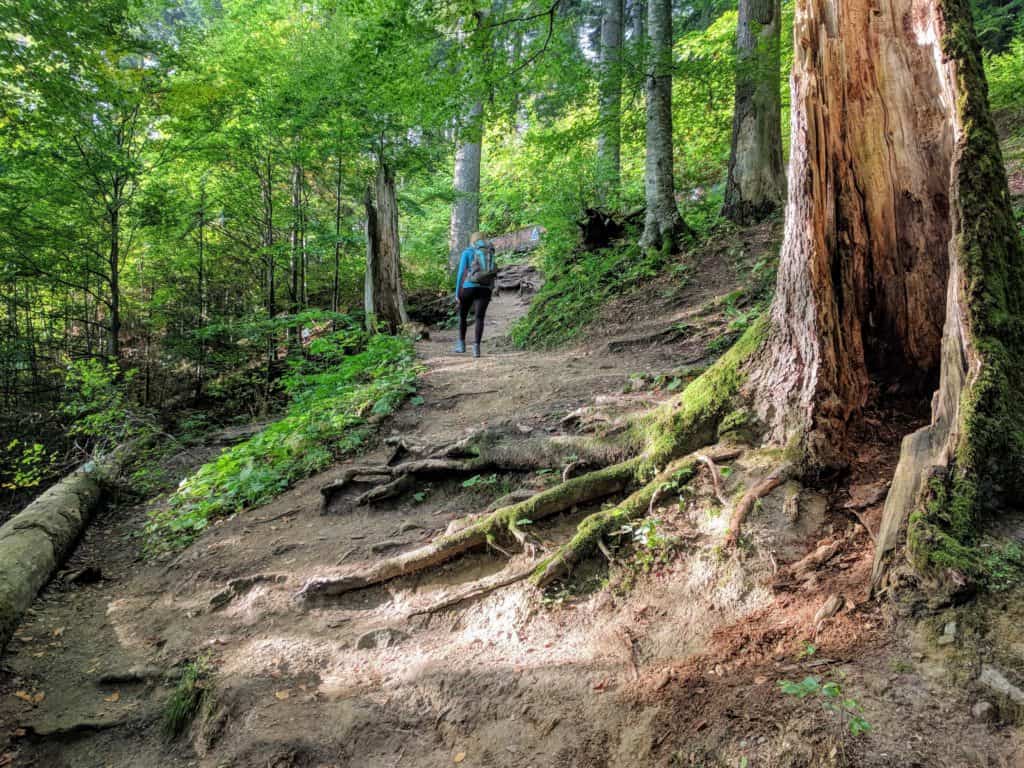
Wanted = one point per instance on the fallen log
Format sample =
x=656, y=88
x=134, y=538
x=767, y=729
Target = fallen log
x=35, y=542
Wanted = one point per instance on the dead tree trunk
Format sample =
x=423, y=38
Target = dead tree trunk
x=384, y=299
x=901, y=264
x=466, y=209
x=609, y=136
x=756, y=186
x=662, y=224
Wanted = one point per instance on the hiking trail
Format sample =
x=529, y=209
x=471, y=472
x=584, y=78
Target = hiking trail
x=671, y=662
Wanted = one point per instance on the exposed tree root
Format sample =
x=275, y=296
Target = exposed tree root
x=485, y=451
x=716, y=478
x=592, y=529
x=663, y=336
x=479, y=590
x=777, y=477
x=657, y=438
x=579, y=490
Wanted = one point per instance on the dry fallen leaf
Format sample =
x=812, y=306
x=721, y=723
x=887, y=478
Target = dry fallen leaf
x=58, y=631
x=113, y=698
x=760, y=680
x=459, y=757
x=38, y=698
x=24, y=696
x=282, y=695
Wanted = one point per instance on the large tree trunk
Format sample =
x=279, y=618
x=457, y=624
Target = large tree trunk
x=384, y=299
x=609, y=135
x=756, y=186
x=466, y=209
x=662, y=223
x=901, y=264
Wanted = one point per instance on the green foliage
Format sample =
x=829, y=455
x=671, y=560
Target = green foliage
x=24, y=465
x=331, y=398
x=1005, y=74
x=830, y=694
x=193, y=696
x=98, y=404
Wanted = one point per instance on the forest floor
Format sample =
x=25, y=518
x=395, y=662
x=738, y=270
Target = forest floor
x=669, y=656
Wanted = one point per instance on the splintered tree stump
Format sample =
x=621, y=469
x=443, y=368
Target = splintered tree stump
x=599, y=229
x=902, y=265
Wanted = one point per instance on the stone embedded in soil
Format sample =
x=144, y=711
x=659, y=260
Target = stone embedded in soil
x=139, y=673
x=983, y=711
x=381, y=638
x=948, y=636
x=995, y=680
x=830, y=608
x=867, y=495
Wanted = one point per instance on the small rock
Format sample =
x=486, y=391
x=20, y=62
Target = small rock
x=524, y=428
x=862, y=496
x=995, y=680
x=983, y=711
x=948, y=636
x=829, y=609
x=381, y=638
x=90, y=574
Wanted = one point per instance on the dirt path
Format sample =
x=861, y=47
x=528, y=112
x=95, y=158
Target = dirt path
x=667, y=661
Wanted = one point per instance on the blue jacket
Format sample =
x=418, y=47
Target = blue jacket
x=464, y=261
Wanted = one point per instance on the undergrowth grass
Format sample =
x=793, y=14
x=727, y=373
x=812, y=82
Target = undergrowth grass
x=345, y=378
x=577, y=284
x=576, y=288
x=192, y=694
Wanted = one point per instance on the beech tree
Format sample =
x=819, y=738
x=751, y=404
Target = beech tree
x=609, y=136
x=466, y=208
x=662, y=223
x=756, y=184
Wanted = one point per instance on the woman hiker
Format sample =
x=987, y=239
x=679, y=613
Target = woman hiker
x=473, y=286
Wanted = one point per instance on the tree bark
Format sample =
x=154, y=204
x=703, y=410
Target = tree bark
x=756, y=185
x=897, y=189
x=609, y=137
x=384, y=299
x=662, y=223
x=466, y=209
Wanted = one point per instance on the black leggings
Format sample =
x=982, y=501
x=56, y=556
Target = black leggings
x=477, y=299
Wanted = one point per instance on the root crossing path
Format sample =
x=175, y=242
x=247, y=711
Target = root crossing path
x=661, y=651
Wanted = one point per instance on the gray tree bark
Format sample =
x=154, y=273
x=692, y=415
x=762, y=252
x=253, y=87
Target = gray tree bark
x=662, y=223
x=609, y=136
x=383, y=295
x=756, y=186
x=466, y=209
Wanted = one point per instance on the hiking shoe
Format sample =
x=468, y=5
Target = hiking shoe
x=460, y=347
x=476, y=350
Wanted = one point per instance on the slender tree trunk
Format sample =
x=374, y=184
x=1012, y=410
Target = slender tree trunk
x=203, y=300
x=901, y=265
x=384, y=299
x=609, y=136
x=756, y=186
x=662, y=224
x=336, y=283
x=466, y=209
x=114, y=277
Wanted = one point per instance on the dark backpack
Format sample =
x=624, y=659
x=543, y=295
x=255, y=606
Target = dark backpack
x=481, y=269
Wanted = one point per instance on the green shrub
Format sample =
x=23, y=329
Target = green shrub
x=332, y=395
